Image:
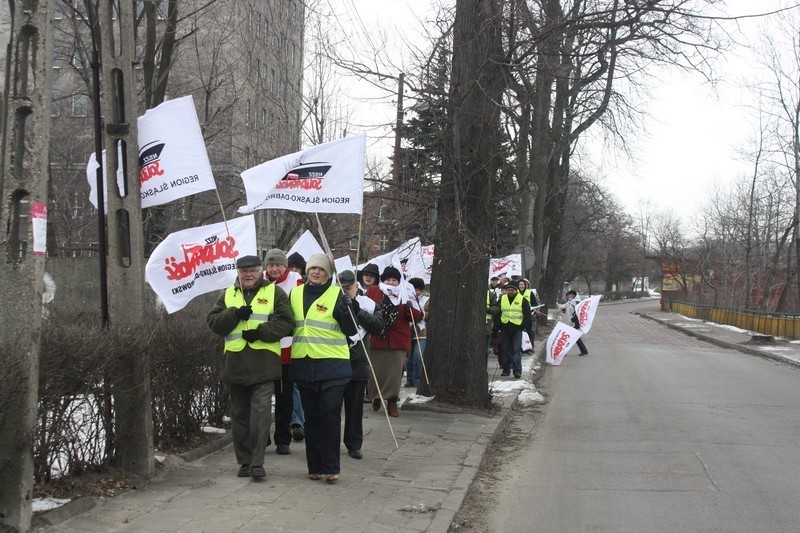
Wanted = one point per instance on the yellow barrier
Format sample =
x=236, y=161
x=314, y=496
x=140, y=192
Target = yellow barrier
x=759, y=322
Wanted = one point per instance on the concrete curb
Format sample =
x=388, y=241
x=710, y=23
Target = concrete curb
x=721, y=343
x=207, y=448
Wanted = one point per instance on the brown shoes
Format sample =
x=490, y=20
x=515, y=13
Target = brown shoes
x=392, y=407
x=376, y=404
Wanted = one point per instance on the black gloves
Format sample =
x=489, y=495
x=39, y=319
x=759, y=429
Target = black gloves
x=251, y=335
x=243, y=312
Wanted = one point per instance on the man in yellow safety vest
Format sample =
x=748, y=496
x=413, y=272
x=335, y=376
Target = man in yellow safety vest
x=253, y=315
x=515, y=317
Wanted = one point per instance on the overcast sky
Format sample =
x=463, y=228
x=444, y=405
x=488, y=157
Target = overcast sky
x=692, y=141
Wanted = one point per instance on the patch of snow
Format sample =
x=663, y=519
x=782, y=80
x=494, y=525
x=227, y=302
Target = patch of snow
x=416, y=398
x=528, y=398
x=160, y=459
x=210, y=429
x=226, y=419
x=45, y=504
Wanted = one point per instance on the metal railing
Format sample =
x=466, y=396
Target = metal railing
x=767, y=323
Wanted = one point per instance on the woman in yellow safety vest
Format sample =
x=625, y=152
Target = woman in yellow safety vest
x=324, y=318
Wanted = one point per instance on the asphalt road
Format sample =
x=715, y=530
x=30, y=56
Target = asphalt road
x=656, y=431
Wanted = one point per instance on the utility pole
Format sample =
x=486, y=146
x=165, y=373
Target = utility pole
x=125, y=260
x=24, y=176
x=398, y=130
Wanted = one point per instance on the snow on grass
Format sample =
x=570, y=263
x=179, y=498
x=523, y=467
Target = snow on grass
x=45, y=504
x=210, y=429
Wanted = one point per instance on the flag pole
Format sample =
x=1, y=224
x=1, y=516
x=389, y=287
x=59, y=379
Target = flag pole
x=352, y=316
x=222, y=210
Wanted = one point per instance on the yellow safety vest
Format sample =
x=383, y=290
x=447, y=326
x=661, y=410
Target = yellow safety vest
x=526, y=294
x=263, y=305
x=317, y=335
x=511, y=311
x=488, y=304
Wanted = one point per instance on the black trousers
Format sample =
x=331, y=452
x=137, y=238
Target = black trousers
x=322, y=403
x=354, y=413
x=283, y=407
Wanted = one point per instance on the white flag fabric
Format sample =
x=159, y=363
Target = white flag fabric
x=561, y=339
x=586, y=310
x=173, y=161
x=327, y=178
x=343, y=263
x=510, y=265
x=198, y=260
x=91, y=176
x=306, y=246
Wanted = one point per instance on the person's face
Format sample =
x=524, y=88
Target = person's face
x=391, y=281
x=351, y=291
x=494, y=283
x=511, y=293
x=317, y=276
x=296, y=268
x=523, y=286
x=248, y=276
x=418, y=292
x=369, y=279
x=275, y=270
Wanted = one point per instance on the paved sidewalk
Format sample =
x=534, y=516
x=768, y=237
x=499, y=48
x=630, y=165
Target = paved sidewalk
x=417, y=487
x=781, y=350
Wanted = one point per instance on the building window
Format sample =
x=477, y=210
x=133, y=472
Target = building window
x=58, y=14
x=383, y=243
x=55, y=103
x=383, y=213
x=353, y=244
x=272, y=81
x=56, y=56
x=80, y=105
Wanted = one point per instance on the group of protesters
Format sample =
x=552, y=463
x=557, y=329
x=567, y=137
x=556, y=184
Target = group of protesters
x=512, y=311
x=290, y=331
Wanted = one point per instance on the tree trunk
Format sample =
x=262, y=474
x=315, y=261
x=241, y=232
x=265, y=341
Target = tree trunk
x=456, y=347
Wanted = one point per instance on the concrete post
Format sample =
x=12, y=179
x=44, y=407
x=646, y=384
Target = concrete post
x=24, y=175
x=125, y=260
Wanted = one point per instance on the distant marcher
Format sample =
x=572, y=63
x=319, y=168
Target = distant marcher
x=320, y=364
x=253, y=315
x=368, y=276
x=570, y=317
x=515, y=315
x=370, y=322
x=297, y=263
x=419, y=333
x=278, y=272
x=389, y=350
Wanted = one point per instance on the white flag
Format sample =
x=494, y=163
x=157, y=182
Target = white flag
x=561, y=339
x=198, y=260
x=327, y=178
x=91, y=176
x=343, y=263
x=586, y=310
x=306, y=246
x=173, y=161
x=510, y=265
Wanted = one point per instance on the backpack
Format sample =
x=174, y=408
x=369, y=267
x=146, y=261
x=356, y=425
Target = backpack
x=390, y=313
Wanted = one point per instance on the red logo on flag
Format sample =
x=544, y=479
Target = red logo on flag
x=195, y=255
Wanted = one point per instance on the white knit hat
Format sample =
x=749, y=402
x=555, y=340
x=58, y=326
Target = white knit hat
x=321, y=261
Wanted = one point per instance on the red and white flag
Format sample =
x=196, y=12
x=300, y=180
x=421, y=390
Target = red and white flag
x=327, y=178
x=195, y=261
x=561, y=339
x=586, y=310
x=510, y=265
x=173, y=161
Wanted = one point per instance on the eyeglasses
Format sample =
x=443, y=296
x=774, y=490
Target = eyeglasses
x=250, y=270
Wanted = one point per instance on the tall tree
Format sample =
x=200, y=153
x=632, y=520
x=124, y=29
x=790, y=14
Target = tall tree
x=456, y=363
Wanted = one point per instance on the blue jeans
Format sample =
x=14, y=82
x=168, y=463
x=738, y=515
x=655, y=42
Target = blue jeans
x=298, y=417
x=414, y=362
x=512, y=347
